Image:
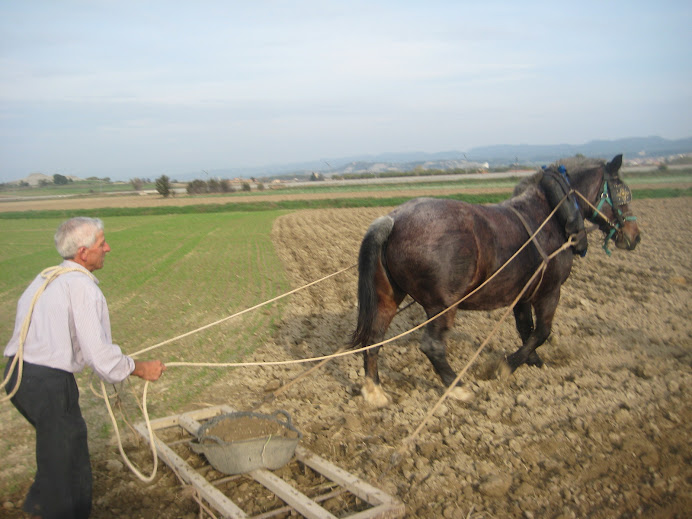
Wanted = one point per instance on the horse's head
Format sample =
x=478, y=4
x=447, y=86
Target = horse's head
x=612, y=213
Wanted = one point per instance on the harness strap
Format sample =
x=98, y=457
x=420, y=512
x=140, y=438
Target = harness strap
x=534, y=240
x=528, y=230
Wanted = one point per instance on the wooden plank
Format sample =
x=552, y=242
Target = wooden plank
x=286, y=509
x=190, y=421
x=199, y=414
x=211, y=494
x=388, y=511
x=354, y=484
x=189, y=424
x=208, y=412
x=291, y=496
x=163, y=423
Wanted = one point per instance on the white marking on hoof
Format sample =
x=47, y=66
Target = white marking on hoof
x=462, y=394
x=374, y=394
x=502, y=370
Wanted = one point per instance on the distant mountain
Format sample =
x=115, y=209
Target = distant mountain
x=332, y=165
x=494, y=156
x=635, y=147
x=500, y=155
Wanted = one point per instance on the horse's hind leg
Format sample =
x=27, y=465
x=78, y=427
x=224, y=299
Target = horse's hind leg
x=386, y=310
x=372, y=390
x=524, y=321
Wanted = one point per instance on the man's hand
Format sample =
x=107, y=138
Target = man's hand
x=149, y=369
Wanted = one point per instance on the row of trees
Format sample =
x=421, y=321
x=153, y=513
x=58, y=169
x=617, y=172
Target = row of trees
x=213, y=185
x=199, y=187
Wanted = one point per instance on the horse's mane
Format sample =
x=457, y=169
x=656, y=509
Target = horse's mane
x=575, y=167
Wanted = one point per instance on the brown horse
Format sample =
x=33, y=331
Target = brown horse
x=437, y=251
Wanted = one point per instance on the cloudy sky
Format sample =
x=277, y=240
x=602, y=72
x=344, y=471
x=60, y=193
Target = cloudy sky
x=138, y=89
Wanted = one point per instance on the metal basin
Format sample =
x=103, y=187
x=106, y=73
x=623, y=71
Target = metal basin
x=269, y=451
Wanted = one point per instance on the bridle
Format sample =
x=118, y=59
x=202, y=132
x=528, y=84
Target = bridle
x=616, y=194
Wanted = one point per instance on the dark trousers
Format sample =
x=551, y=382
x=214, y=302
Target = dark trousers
x=49, y=399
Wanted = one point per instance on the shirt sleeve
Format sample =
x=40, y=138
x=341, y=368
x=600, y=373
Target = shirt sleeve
x=92, y=336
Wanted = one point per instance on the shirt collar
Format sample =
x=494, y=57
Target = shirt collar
x=73, y=264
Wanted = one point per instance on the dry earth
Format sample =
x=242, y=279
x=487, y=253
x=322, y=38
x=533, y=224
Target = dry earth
x=602, y=431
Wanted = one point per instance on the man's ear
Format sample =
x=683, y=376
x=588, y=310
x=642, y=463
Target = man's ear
x=81, y=251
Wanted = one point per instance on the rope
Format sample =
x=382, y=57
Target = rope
x=239, y=313
x=323, y=359
x=356, y=350
x=595, y=209
x=305, y=373
x=145, y=413
x=341, y=352
x=49, y=274
x=145, y=479
x=541, y=268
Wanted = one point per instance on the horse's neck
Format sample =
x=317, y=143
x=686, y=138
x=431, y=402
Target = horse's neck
x=526, y=201
x=589, y=186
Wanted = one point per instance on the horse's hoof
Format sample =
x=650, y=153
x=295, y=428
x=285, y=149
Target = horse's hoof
x=503, y=370
x=534, y=360
x=374, y=394
x=462, y=394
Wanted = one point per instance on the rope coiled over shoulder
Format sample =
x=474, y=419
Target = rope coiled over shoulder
x=49, y=274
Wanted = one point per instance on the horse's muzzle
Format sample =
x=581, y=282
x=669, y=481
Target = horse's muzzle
x=627, y=241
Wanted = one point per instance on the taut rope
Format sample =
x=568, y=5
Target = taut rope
x=541, y=268
x=340, y=353
x=240, y=313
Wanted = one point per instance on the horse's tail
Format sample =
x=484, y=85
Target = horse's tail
x=369, y=261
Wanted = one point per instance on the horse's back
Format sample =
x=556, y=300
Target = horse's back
x=433, y=250
x=428, y=221
x=440, y=249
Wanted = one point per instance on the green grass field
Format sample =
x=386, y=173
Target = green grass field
x=167, y=275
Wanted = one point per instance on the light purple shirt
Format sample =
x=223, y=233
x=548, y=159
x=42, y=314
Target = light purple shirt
x=70, y=327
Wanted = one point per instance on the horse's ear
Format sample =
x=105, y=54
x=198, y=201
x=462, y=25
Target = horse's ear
x=614, y=165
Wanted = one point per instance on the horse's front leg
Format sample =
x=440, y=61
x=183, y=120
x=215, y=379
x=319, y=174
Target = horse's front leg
x=435, y=348
x=523, y=318
x=545, y=311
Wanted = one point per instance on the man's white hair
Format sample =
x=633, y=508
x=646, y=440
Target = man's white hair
x=74, y=233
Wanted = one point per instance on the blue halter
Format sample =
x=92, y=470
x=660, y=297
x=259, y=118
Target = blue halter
x=622, y=196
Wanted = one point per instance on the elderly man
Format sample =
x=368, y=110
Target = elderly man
x=68, y=329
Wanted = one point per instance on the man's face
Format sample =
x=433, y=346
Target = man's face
x=93, y=256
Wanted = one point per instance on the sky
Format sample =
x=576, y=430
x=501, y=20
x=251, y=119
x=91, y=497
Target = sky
x=126, y=89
